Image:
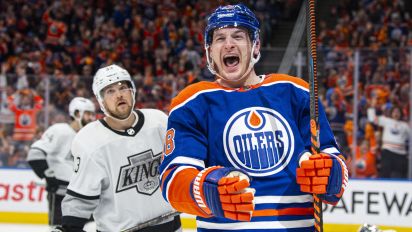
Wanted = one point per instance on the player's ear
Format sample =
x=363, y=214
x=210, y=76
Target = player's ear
x=257, y=48
x=210, y=52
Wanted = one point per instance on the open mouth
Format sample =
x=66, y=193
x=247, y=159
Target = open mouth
x=121, y=103
x=231, y=60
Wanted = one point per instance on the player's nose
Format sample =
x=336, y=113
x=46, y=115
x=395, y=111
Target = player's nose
x=229, y=43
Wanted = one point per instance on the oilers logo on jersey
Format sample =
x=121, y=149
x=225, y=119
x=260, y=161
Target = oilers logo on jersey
x=141, y=172
x=258, y=140
x=25, y=119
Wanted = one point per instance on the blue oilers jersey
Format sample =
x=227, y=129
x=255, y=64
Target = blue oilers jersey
x=261, y=130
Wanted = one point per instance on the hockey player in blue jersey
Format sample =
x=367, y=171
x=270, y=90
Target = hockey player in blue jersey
x=237, y=149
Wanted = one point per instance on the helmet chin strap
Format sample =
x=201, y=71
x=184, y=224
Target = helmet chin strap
x=252, y=63
x=79, y=119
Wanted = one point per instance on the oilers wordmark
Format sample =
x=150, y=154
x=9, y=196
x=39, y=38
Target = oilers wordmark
x=266, y=145
x=258, y=140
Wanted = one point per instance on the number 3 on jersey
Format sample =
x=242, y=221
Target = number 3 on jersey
x=76, y=164
x=170, y=141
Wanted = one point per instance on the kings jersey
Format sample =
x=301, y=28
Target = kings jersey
x=261, y=130
x=116, y=173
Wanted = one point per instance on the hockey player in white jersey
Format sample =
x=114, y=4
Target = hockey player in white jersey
x=50, y=156
x=116, y=162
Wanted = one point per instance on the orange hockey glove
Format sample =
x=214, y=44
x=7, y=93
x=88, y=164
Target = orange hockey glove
x=324, y=174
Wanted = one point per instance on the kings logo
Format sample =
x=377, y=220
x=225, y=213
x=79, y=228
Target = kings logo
x=141, y=173
x=258, y=140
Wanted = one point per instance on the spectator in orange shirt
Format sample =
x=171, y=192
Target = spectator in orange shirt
x=365, y=161
x=25, y=106
x=56, y=28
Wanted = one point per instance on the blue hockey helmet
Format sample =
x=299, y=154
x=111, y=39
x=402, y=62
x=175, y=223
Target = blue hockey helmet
x=232, y=16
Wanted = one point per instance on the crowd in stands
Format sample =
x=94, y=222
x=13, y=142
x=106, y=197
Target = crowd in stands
x=49, y=51
x=382, y=33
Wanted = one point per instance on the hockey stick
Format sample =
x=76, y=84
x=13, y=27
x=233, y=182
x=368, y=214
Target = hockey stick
x=152, y=222
x=60, y=191
x=52, y=208
x=314, y=99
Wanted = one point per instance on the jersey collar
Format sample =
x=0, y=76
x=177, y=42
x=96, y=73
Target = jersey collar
x=132, y=131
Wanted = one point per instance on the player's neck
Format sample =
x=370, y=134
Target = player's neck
x=122, y=125
x=249, y=80
x=253, y=79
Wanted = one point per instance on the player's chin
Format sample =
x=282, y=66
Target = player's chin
x=124, y=108
x=233, y=72
x=121, y=116
x=124, y=113
x=233, y=77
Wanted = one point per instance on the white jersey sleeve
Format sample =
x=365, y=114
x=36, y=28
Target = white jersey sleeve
x=83, y=192
x=84, y=164
x=54, y=147
x=46, y=144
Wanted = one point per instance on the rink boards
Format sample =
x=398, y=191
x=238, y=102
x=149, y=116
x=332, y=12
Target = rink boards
x=381, y=202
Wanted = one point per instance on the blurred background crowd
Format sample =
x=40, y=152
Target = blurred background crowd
x=49, y=51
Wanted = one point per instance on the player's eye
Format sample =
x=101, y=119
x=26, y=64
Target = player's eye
x=124, y=88
x=219, y=38
x=109, y=92
x=239, y=35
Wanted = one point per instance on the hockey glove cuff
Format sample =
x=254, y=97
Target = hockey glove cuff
x=224, y=192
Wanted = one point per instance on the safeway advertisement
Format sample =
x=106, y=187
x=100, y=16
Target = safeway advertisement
x=379, y=202
x=21, y=191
